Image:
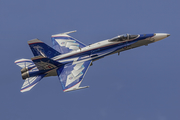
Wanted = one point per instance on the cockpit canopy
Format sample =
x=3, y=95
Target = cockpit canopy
x=123, y=37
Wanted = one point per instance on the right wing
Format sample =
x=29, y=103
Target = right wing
x=64, y=43
x=71, y=75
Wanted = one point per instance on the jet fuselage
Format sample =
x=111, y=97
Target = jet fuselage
x=107, y=47
x=70, y=59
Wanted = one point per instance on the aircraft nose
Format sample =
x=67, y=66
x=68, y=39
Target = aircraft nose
x=160, y=36
x=168, y=35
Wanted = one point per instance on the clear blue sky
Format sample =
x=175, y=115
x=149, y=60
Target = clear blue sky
x=140, y=84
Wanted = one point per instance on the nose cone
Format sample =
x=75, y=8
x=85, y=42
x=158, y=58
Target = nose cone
x=168, y=35
x=160, y=36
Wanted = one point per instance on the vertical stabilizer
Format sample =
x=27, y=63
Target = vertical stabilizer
x=41, y=49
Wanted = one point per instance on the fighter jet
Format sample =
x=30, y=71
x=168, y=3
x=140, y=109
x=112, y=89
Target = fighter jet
x=69, y=59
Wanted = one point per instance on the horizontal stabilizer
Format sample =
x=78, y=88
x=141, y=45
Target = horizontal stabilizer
x=24, y=63
x=29, y=83
x=44, y=63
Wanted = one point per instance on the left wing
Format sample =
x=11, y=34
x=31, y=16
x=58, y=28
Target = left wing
x=71, y=75
x=64, y=43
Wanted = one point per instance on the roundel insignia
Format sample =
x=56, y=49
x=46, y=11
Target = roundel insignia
x=71, y=78
x=49, y=52
x=63, y=43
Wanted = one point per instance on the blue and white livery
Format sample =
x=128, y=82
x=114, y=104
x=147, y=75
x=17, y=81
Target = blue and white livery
x=69, y=59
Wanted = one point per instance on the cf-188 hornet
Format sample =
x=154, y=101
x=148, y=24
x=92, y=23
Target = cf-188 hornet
x=69, y=59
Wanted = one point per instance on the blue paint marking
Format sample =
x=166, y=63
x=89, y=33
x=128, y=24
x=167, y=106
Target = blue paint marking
x=66, y=70
x=41, y=49
x=144, y=36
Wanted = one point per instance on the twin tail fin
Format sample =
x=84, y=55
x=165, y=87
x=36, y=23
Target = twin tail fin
x=39, y=48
